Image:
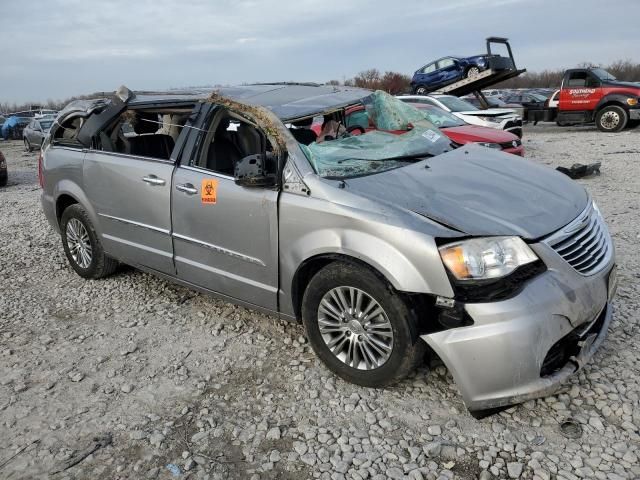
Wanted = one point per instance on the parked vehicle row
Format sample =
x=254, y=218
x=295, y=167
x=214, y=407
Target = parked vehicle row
x=380, y=242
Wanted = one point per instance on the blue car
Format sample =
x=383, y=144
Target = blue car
x=446, y=70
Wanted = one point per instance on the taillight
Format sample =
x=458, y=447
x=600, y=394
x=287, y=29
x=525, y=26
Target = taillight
x=40, y=175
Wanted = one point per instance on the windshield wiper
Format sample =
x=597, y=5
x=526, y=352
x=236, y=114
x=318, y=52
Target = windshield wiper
x=399, y=158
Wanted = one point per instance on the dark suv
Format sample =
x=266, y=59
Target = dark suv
x=446, y=70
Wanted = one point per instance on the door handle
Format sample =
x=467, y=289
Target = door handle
x=153, y=180
x=187, y=188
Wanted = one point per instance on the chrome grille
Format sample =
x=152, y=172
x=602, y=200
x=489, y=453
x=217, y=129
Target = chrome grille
x=585, y=243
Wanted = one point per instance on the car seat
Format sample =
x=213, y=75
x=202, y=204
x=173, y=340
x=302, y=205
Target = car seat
x=223, y=153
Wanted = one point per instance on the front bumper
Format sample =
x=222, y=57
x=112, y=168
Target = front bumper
x=634, y=114
x=497, y=361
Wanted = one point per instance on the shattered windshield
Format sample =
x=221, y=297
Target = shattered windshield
x=397, y=134
x=440, y=118
x=456, y=104
x=602, y=74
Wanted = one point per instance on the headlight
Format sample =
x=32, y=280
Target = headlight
x=490, y=145
x=491, y=119
x=632, y=101
x=486, y=258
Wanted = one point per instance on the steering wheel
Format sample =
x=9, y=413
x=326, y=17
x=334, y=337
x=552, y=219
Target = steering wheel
x=354, y=128
x=350, y=130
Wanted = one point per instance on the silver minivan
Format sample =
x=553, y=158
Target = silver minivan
x=386, y=242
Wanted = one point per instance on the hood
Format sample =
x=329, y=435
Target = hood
x=472, y=133
x=480, y=192
x=490, y=112
x=618, y=83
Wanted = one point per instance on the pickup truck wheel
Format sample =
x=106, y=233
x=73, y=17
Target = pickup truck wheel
x=611, y=119
x=359, y=327
x=81, y=245
x=473, y=72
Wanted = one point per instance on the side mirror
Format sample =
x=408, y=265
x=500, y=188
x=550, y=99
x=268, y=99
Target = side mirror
x=250, y=171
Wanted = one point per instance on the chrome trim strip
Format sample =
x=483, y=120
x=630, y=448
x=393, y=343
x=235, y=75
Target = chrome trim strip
x=218, y=249
x=226, y=274
x=128, y=155
x=137, y=224
x=138, y=245
x=206, y=172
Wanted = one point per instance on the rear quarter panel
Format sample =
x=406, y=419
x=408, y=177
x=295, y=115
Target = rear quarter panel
x=62, y=171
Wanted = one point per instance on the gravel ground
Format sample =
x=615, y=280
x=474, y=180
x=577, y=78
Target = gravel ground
x=191, y=387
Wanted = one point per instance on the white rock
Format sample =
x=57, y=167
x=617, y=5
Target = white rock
x=514, y=469
x=273, y=434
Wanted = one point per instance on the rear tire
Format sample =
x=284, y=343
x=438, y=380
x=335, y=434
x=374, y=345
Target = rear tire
x=27, y=145
x=360, y=328
x=612, y=119
x=472, y=72
x=421, y=90
x=81, y=245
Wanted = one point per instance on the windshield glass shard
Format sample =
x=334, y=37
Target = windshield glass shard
x=398, y=134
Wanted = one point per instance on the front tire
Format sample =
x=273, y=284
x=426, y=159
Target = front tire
x=27, y=145
x=612, y=119
x=421, y=90
x=360, y=328
x=81, y=245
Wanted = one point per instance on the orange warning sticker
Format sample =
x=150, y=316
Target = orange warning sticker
x=209, y=190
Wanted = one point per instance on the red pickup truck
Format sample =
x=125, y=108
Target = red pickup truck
x=594, y=95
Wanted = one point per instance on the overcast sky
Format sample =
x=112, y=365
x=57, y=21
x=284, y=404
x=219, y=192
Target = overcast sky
x=58, y=48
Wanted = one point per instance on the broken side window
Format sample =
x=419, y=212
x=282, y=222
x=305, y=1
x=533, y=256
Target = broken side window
x=231, y=138
x=150, y=133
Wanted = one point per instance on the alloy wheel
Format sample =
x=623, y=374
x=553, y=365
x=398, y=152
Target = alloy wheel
x=610, y=120
x=355, y=328
x=79, y=243
x=473, y=72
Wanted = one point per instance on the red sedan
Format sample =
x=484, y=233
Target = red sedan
x=462, y=133
x=458, y=131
